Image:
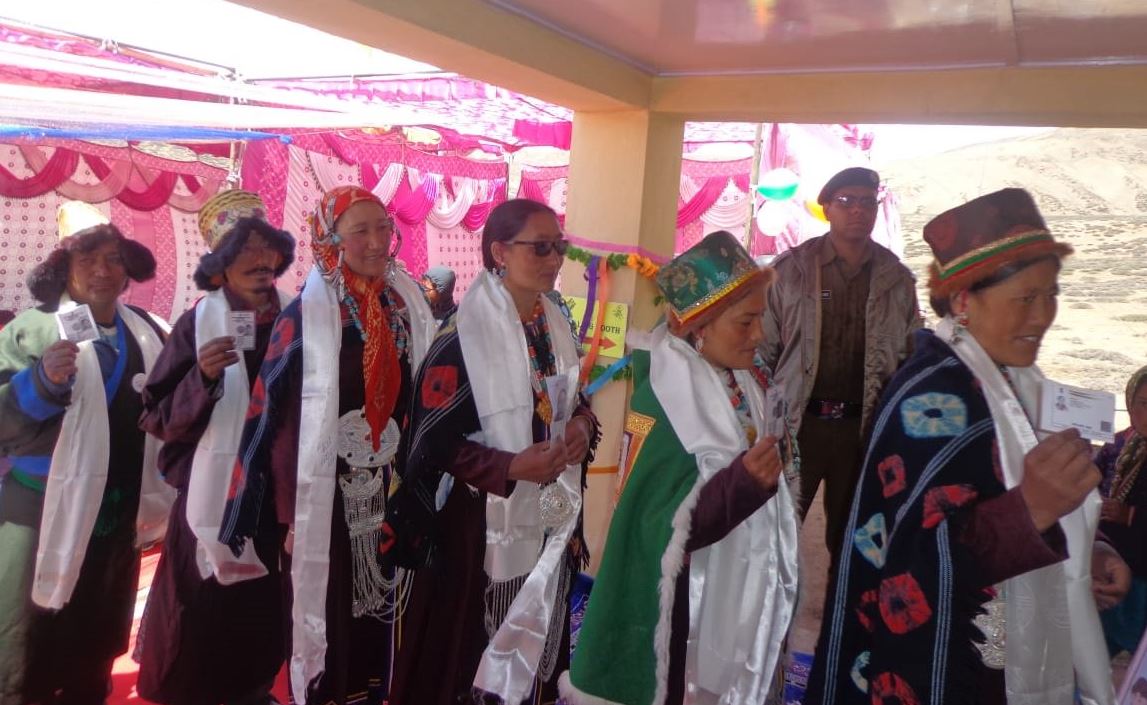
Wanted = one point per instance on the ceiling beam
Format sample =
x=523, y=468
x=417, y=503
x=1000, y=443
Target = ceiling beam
x=478, y=40
x=1069, y=96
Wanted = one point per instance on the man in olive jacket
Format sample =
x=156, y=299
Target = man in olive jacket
x=839, y=322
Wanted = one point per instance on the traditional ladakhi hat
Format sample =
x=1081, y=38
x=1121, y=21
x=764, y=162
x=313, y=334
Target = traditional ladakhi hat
x=218, y=217
x=81, y=225
x=74, y=216
x=972, y=241
x=852, y=176
x=699, y=283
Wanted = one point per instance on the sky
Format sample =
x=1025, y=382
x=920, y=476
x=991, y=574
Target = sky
x=264, y=46
x=897, y=142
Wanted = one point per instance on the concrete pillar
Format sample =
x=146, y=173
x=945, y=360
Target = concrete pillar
x=624, y=177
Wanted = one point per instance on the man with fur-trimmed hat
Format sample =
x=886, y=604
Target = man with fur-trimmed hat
x=83, y=494
x=838, y=324
x=214, y=631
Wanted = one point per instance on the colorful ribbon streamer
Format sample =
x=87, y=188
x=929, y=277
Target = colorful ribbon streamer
x=606, y=376
x=599, y=331
x=591, y=297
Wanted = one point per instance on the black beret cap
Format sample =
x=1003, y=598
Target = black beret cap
x=852, y=176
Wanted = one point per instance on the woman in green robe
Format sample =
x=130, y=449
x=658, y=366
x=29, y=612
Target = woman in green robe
x=698, y=581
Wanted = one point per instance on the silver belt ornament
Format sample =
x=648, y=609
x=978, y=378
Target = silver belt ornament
x=364, y=508
x=554, y=505
x=994, y=624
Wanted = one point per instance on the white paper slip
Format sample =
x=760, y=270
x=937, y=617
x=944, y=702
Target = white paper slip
x=243, y=329
x=562, y=390
x=1063, y=406
x=77, y=325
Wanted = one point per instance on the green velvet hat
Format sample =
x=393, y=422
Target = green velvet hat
x=699, y=282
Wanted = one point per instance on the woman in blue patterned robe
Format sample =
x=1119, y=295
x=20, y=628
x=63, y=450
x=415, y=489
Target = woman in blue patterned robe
x=955, y=583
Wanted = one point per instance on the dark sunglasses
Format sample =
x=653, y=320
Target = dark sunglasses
x=865, y=202
x=543, y=248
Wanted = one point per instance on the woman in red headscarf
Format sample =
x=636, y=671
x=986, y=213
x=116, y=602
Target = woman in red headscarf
x=321, y=436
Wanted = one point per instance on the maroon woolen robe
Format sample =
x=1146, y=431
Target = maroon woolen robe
x=202, y=643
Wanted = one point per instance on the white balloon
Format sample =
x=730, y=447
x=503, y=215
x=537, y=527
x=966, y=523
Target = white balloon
x=772, y=218
x=779, y=178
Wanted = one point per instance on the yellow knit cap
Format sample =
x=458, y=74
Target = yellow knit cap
x=219, y=215
x=74, y=216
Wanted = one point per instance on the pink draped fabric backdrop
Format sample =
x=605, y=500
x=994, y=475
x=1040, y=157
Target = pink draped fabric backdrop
x=547, y=184
x=154, y=200
x=440, y=203
x=815, y=153
x=714, y=196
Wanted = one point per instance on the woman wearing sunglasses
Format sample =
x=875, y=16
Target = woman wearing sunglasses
x=322, y=436
x=489, y=511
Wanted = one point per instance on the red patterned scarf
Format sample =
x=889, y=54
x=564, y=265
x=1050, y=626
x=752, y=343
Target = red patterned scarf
x=361, y=297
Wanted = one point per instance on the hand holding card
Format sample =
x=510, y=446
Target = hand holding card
x=243, y=329
x=59, y=361
x=777, y=412
x=1090, y=411
x=216, y=355
x=77, y=325
x=562, y=391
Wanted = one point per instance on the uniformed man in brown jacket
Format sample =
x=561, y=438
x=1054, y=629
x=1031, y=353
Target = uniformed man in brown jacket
x=839, y=322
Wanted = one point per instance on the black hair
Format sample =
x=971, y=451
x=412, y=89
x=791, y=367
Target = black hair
x=209, y=273
x=1141, y=385
x=505, y=222
x=943, y=306
x=6, y=317
x=49, y=280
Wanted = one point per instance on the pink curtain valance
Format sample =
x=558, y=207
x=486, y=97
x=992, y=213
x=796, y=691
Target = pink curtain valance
x=137, y=186
x=412, y=205
x=532, y=190
x=58, y=168
x=476, y=217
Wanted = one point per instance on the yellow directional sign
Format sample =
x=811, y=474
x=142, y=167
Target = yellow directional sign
x=616, y=321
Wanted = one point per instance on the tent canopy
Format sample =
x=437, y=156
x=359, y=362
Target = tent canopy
x=74, y=86
x=992, y=62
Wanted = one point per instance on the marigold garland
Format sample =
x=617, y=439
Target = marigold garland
x=643, y=265
x=638, y=263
